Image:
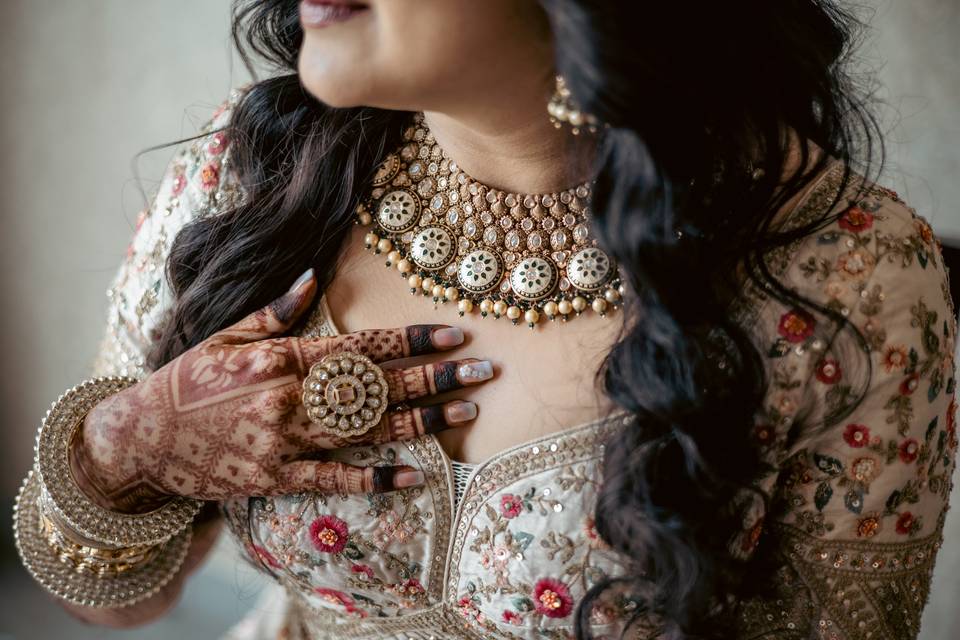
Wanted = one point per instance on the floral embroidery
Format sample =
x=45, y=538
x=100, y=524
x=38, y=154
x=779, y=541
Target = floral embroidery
x=895, y=358
x=341, y=599
x=210, y=176
x=329, y=534
x=856, y=219
x=510, y=505
x=796, y=325
x=828, y=371
x=552, y=598
x=856, y=435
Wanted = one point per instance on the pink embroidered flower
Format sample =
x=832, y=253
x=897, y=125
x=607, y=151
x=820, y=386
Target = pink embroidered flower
x=341, y=599
x=210, y=175
x=796, y=325
x=863, y=470
x=856, y=219
x=510, y=505
x=894, y=358
x=910, y=384
x=362, y=569
x=218, y=142
x=906, y=523
x=329, y=534
x=593, y=536
x=857, y=435
x=179, y=183
x=857, y=264
x=828, y=371
x=259, y=553
x=909, y=450
x=511, y=617
x=411, y=588
x=552, y=598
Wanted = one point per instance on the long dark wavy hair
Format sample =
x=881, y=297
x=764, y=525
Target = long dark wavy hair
x=695, y=98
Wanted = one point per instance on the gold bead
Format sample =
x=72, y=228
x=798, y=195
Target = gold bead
x=579, y=304
x=599, y=305
x=532, y=317
x=365, y=218
x=465, y=305
x=393, y=258
x=575, y=118
x=384, y=245
x=564, y=307
x=370, y=240
x=404, y=266
x=550, y=308
x=513, y=312
x=499, y=308
x=437, y=291
x=414, y=282
x=451, y=293
x=611, y=295
x=486, y=306
x=427, y=285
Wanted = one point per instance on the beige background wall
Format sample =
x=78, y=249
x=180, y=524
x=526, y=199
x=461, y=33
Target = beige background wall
x=85, y=85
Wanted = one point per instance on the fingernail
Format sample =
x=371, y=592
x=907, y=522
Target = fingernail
x=461, y=411
x=302, y=280
x=475, y=371
x=448, y=337
x=404, y=479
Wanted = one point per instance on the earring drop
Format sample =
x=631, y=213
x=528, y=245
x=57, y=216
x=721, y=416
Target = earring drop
x=563, y=110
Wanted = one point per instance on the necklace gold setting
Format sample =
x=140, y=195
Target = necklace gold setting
x=451, y=237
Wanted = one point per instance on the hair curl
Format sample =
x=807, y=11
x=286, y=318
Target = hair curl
x=693, y=97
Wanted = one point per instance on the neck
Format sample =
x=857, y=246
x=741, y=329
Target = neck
x=512, y=148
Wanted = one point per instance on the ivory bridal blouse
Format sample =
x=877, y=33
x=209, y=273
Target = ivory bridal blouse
x=856, y=508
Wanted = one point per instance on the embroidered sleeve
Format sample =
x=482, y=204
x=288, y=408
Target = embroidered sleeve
x=197, y=182
x=857, y=507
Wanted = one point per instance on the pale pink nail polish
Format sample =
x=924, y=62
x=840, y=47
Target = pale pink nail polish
x=404, y=479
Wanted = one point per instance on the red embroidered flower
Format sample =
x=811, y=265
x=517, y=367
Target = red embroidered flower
x=210, y=175
x=910, y=384
x=329, y=534
x=926, y=233
x=511, y=617
x=590, y=529
x=909, y=450
x=905, y=523
x=796, y=325
x=894, y=358
x=857, y=435
x=856, y=219
x=510, y=505
x=828, y=371
x=411, y=587
x=179, y=184
x=552, y=598
x=218, y=142
x=362, y=569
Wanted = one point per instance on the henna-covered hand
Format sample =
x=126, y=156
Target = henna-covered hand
x=225, y=418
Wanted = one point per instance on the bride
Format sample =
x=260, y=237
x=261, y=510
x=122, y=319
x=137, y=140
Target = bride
x=673, y=365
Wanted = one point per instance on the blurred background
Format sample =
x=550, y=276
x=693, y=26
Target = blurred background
x=87, y=85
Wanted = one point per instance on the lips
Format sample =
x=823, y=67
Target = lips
x=322, y=13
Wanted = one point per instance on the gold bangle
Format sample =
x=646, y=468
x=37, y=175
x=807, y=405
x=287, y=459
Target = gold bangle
x=74, y=583
x=70, y=504
x=102, y=562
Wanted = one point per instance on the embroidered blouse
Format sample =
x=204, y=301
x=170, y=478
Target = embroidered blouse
x=856, y=509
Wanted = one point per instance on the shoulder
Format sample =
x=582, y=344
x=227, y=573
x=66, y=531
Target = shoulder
x=199, y=181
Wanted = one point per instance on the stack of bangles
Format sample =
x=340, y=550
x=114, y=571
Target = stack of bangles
x=78, y=550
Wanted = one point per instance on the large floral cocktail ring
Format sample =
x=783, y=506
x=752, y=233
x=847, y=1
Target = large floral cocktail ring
x=345, y=394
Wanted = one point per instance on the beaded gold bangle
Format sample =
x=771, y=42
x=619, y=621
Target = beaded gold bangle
x=64, y=498
x=58, y=571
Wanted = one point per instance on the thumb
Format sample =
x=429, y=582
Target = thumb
x=276, y=318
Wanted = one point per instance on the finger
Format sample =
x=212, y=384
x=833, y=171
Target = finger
x=326, y=476
x=407, y=424
x=436, y=377
x=381, y=345
x=275, y=318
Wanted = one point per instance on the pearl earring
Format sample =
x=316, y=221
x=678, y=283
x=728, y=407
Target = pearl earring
x=563, y=110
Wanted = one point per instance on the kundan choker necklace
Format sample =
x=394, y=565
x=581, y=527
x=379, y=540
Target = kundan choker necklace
x=505, y=254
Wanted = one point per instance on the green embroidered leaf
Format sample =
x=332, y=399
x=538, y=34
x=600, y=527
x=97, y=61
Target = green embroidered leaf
x=822, y=496
x=922, y=257
x=830, y=466
x=936, y=383
x=931, y=428
x=522, y=539
x=894, y=501
x=352, y=551
x=951, y=385
x=853, y=500
x=914, y=358
x=522, y=603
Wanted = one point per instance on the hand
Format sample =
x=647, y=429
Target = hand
x=225, y=418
